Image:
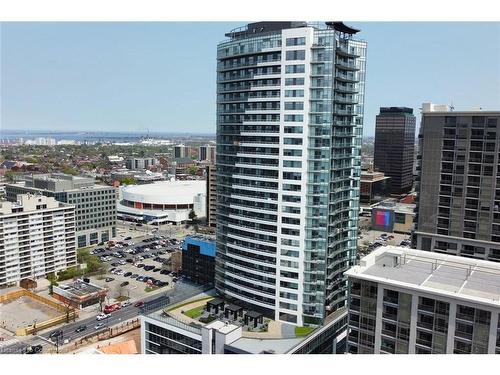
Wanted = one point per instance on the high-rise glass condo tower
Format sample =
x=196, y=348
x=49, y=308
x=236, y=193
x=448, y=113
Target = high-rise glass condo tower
x=289, y=127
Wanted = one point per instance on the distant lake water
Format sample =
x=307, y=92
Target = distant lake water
x=82, y=136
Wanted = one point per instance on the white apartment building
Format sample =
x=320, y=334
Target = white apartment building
x=206, y=153
x=37, y=236
x=407, y=301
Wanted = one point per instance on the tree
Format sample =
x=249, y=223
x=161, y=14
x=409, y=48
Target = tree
x=53, y=281
x=10, y=175
x=68, y=310
x=32, y=160
x=69, y=273
x=192, y=216
x=128, y=180
x=69, y=170
x=88, y=166
x=92, y=262
x=192, y=170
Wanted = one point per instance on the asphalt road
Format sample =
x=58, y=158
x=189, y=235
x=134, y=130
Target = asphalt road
x=181, y=291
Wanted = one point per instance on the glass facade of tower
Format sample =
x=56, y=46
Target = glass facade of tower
x=289, y=128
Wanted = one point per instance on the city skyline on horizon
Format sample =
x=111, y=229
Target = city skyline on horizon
x=88, y=88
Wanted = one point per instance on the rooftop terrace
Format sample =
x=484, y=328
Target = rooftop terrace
x=201, y=310
x=477, y=281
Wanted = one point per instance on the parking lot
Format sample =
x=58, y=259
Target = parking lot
x=370, y=240
x=135, y=230
x=137, y=268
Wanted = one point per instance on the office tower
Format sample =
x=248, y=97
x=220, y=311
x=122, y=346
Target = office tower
x=394, y=147
x=289, y=123
x=458, y=206
x=181, y=151
x=207, y=153
x=95, y=204
x=211, y=195
x=374, y=187
x=411, y=301
x=134, y=163
x=37, y=236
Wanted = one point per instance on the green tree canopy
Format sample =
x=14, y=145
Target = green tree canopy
x=128, y=180
x=192, y=170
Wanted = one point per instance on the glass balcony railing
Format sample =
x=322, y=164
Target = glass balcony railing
x=346, y=88
x=341, y=64
x=344, y=111
x=345, y=99
x=353, y=78
x=343, y=50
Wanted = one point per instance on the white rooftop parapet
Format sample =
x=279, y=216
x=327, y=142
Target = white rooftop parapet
x=431, y=107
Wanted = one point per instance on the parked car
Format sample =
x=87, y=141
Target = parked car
x=140, y=278
x=157, y=270
x=134, y=276
x=115, y=264
x=125, y=283
x=127, y=274
x=102, y=316
x=126, y=303
x=81, y=328
x=127, y=238
x=139, y=304
x=140, y=265
x=32, y=349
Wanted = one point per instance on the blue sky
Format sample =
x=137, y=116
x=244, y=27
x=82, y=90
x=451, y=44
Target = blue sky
x=161, y=76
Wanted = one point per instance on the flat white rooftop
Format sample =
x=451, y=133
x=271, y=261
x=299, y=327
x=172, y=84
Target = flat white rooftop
x=165, y=192
x=477, y=281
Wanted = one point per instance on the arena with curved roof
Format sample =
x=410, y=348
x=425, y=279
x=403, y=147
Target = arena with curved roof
x=162, y=202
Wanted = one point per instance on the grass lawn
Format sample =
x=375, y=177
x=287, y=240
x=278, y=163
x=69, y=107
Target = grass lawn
x=122, y=298
x=303, y=331
x=149, y=289
x=189, y=302
x=196, y=312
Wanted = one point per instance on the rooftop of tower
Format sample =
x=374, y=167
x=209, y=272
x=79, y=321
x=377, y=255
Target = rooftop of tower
x=458, y=277
x=265, y=27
